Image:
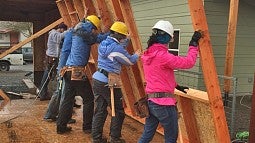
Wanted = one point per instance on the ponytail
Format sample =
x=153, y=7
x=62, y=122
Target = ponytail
x=152, y=40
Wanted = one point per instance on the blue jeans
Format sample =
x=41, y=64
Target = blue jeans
x=49, y=73
x=55, y=101
x=44, y=84
x=70, y=89
x=167, y=116
x=102, y=100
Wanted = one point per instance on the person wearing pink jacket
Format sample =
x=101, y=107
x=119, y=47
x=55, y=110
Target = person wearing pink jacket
x=159, y=66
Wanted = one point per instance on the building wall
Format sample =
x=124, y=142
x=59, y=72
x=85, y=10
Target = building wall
x=217, y=12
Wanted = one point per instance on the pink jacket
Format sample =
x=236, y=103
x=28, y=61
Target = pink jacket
x=159, y=66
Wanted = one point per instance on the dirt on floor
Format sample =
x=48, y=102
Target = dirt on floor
x=29, y=127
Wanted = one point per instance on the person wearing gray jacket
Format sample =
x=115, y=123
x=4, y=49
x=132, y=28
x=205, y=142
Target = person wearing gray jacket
x=51, y=60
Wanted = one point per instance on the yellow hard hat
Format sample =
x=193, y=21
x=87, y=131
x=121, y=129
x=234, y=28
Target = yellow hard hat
x=119, y=27
x=94, y=20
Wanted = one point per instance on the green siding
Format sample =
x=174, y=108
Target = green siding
x=217, y=12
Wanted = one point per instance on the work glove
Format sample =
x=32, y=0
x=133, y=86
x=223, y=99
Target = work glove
x=195, y=38
x=181, y=88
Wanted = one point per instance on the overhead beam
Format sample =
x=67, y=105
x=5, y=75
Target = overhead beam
x=199, y=21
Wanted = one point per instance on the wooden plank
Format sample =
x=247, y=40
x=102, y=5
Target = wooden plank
x=39, y=33
x=252, y=117
x=29, y=83
x=72, y=12
x=78, y=5
x=189, y=120
x=131, y=88
x=63, y=12
x=104, y=13
x=6, y=99
x=194, y=94
x=93, y=53
x=136, y=43
x=230, y=50
x=209, y=71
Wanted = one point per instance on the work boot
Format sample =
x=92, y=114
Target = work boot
x=71, y=121
x=117, y=140
x=62, y=130
x=49, y=119
x=101, y=140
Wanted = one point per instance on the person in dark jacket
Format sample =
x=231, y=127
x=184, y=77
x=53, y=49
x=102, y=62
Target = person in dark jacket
x=111, y=56
x=75, y=81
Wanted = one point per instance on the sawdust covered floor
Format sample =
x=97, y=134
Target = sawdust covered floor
x=30, y=128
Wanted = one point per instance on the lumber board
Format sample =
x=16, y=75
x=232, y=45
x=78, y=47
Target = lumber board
x=72, y=12
x=131, y=75
x=252, y=116
x=231, y=38
x=80, y=8
x=189, y=119
x=39, y=33
x=63, y=12
x=6, y=99
x=209, y=71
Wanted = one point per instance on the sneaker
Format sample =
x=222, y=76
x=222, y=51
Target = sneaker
x=102, y=140
x=45, y=98
x=62, y=130
x=71, y=121
x=117, y=140
x=50, y=119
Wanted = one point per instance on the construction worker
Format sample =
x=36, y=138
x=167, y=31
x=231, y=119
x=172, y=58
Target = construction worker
x=111, y=55
x=53, y=107
x=159, y=66
x=52, y=55
x=75, y=81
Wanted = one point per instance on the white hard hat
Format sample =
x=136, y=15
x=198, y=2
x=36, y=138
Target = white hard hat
x=165, y=26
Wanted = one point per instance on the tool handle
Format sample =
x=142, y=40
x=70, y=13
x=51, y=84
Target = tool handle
x=112, y=102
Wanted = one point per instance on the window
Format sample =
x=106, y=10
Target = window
x=174, y=46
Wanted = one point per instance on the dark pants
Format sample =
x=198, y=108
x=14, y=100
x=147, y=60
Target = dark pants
x=70, y=89
x=167, y=116
x=102, y=100
x=53, y=106
x=49, y=73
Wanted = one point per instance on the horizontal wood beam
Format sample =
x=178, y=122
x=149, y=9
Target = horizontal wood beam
x=39, y=33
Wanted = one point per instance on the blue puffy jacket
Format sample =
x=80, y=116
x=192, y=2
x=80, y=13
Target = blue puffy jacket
x=111, y=55
x=82, y=40
x=66, y=49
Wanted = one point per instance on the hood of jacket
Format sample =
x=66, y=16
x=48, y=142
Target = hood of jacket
x=152, y=51
x=107, y=46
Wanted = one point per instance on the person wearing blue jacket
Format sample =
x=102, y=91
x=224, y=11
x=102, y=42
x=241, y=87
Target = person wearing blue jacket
x=53, y=107
x=75, y=81
x=51, y=61
x=111, y=56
